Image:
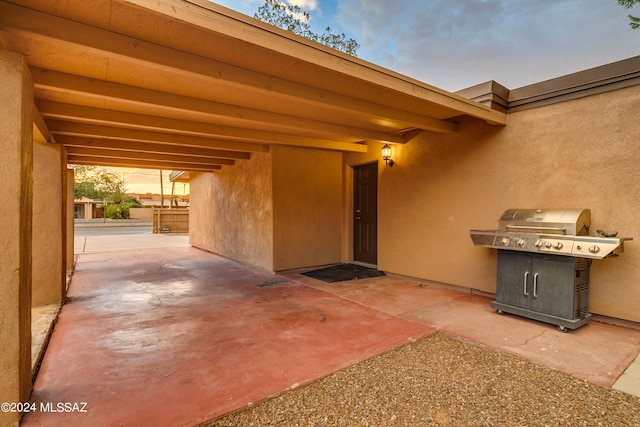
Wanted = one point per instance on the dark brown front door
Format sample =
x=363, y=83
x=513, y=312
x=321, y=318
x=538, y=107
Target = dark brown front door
x=365, y=214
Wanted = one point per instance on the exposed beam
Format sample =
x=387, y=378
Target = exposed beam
x=198, y=108
x=58, y=127
x=171, y=158
x=144, y=164
x=83, y=114
x=331, y=145
x=146, y=147
x=105, y=132
x=141, y=52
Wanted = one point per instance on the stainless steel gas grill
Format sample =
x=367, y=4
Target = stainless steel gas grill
x=544, y=256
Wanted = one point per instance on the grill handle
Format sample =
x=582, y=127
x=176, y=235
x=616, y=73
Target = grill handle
x=531, y=227
x=524, y=284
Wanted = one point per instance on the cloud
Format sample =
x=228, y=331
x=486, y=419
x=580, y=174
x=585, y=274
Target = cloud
x=454, y=44
x=308, y=5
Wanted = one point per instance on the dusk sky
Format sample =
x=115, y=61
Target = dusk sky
x=454, y=44
x=148, y=181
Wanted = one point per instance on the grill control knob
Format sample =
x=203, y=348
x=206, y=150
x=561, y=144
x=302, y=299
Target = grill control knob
x=505, y=241
x=558, y=245
x=520, y=242
x=547, y=245
x=538, y=243
x=594, y=249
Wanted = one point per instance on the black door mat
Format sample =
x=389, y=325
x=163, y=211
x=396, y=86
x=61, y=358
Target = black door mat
x=343, y=272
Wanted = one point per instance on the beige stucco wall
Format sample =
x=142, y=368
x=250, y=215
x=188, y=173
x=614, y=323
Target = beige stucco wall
x=280, y=210
x=231, y=213
x=16, y=192
x=307, y=206
x=576, y=154
x=48, y=224
x=69, y=231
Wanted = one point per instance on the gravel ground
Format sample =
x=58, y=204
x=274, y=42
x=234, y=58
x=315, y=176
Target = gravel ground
x=438, y=381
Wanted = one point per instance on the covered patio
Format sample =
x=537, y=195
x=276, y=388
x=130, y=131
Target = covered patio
x=173, y=335
x=272, y=130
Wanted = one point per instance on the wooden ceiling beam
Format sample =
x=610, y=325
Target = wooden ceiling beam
x=170, y=158
x=58, y=127
x=97, y=116
x=149, y=148
x=144, y=164
x=198, y=108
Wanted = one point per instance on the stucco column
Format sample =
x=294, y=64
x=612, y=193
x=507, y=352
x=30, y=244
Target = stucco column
x=16, y=192
x=49, y=191
x=70, y=247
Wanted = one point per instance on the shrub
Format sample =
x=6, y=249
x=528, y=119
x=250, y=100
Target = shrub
x=112, y=211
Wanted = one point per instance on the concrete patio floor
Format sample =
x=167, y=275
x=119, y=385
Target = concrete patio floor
x=173, y=335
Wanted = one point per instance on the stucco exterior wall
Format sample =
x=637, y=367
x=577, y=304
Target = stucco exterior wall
x=307, y=204
x=277, y=211
x=231, y=212
x=16, y=193
x=48, y=222
x=576, y=154
x=69, y=230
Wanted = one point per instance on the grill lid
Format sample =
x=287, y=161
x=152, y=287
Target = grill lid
x=573, y=222
x=550, y=231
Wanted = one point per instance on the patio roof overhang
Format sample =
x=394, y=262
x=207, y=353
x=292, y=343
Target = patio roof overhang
x=193, y=86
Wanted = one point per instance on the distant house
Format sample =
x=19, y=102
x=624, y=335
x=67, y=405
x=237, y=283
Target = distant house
x=86, y=208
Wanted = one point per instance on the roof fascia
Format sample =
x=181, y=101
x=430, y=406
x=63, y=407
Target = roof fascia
x=605, y=78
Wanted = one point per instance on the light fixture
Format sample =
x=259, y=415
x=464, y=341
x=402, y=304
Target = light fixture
x=386, y=155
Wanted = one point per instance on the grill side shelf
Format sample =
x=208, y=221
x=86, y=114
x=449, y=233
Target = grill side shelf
x=483, y=237
x=598, y=247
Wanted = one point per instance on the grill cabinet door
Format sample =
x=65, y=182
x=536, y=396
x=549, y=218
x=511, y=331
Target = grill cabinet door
x=513, y=285
x=550, y=288
x=553, y=286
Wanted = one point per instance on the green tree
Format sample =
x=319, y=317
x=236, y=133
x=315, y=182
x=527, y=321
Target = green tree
x=294, y=19
x=96, y=182
x=634, y=21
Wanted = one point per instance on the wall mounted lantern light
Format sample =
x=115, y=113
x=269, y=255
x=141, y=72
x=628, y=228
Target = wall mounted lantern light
x=386, y=155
